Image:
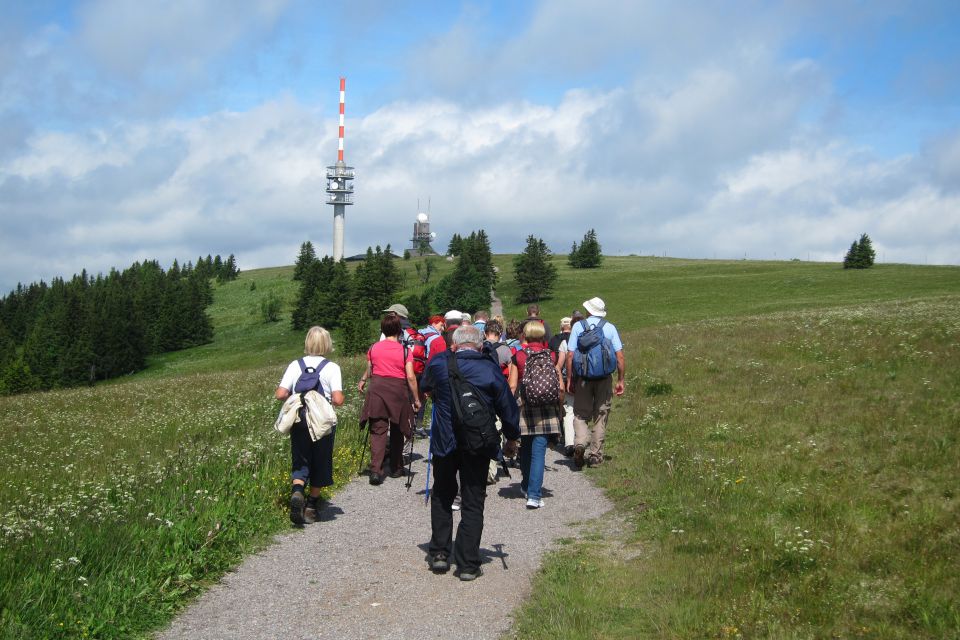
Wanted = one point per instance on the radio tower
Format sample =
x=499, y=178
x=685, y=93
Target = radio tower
x=339, y=185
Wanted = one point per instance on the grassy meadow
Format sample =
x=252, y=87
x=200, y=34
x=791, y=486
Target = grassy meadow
x=784, y=463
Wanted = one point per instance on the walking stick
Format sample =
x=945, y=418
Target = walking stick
x=413, y=437
x=363, y=452
x=433, y=415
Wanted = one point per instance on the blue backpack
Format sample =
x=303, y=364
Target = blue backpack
x=595, y=358
x=309, y=377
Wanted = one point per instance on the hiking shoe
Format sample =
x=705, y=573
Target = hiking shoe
x=578, y=456
x=311, y=513
x=438, y=563
x=534, y=503
x=594, y=461
x=456, y=503
x=296, y=508
x=398, y=473
x=473, y=574
x=568, y=451
x=376, y=478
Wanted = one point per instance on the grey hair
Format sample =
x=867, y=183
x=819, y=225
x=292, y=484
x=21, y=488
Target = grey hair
x=469, y=335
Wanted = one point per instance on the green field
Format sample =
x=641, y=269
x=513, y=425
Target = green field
x=784, y=463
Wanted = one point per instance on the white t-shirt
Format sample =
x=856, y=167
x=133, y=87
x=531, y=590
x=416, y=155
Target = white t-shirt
x=330, y=378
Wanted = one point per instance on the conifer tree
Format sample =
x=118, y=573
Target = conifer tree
x=306, y=257
x=535, y=272
x=588, y=255
x=356, y=330
x=455, y=248
x=860, y=255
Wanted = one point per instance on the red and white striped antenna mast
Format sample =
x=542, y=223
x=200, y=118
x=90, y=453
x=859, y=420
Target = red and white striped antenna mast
x=343, y=92
x=339, y=182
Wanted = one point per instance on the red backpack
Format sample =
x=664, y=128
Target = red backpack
x=416, y=342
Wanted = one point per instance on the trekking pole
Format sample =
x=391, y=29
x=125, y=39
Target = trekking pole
x=413, y=437
x=363, y=452
x=433, y=415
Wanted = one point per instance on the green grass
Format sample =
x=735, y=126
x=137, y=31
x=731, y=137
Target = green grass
x=799, y=481
x=151, y=486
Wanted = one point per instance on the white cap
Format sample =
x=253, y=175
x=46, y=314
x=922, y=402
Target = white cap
x=453, y=315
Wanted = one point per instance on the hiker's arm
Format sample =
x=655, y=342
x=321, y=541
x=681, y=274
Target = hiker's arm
x=621, y=371
x=570, y=371
x=512, y=378
x=336, y=398
x=364, y=378
x=412, y=383
x=281, y=394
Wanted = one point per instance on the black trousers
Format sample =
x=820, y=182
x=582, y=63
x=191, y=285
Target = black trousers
x=472, y=470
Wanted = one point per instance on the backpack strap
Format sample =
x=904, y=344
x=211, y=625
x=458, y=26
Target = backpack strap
x=303, y=365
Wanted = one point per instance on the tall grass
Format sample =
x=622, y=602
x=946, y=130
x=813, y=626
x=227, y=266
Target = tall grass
x=798, y=481
x=120, y=502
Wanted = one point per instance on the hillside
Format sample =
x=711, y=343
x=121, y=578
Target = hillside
x=784, y=461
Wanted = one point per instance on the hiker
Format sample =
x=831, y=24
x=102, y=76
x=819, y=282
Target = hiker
x=401, y=311
x=514, y=334
x=558, y=344
x=451, y=319
x=453, y=457
x=592, y=385
x=539, y=394
x=311, y=461
x=434, y=334
x=503, y=356
x=480, y=319
x=533, y=315
x=392, y=393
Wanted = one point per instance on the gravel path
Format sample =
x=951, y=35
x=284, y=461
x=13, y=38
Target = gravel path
x=361, y=572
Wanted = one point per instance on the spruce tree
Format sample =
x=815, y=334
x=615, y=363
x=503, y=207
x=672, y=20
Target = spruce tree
x=573, y=259
x=865, y=253
x=588, y=254
x=357, y=335
x=535, y=272
x=306, y=257
x=860, y=255
x=455, y=248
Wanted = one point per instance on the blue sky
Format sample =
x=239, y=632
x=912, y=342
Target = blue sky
x=133, y=130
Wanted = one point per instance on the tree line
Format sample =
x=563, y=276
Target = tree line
x=332, y=297
x=77, y=331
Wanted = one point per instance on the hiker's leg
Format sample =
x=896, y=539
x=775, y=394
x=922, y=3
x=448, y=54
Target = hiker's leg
x=300, y=445
x=525, y=455
x=603, y=398
x=473, y=494
x=321, y=463
x=441, y=501
x=537, y=445
x=396, y=447
x=582, y=412
x=568, y=433
x=378, y=443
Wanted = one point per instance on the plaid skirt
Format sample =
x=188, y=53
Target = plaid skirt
x=535, y=421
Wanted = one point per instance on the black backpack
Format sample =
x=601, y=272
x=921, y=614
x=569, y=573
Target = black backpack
x=474, y=424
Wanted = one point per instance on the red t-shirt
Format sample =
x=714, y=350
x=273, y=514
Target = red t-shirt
x=387, y=360
x=520, y=357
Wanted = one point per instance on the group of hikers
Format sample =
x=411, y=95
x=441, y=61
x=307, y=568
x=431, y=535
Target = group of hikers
x=497, y=390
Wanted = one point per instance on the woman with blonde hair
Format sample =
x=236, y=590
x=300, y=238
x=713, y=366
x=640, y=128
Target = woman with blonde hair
x=540, y=420
x=311, y=461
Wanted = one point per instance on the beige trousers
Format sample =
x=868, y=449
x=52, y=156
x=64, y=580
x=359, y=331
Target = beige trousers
x=591, y=403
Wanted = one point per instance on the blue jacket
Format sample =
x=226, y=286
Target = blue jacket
x=487, y=377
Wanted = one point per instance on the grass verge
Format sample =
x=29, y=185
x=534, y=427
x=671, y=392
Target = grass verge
x=791, y=475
